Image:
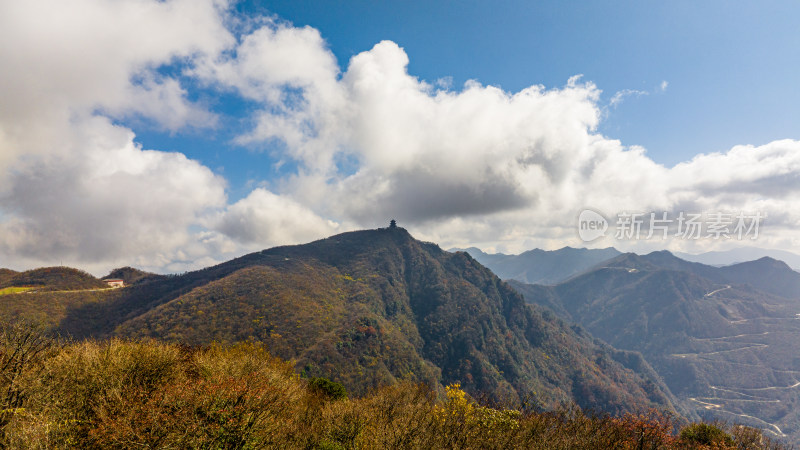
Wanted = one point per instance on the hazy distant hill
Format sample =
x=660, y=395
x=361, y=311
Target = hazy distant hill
x=766, y=274
x=723, y=347
x=370, y=307
x=665, y=260
x=542, y=266
x=738, y=255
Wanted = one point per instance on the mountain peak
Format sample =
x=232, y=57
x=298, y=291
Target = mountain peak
x=763, y=263
x=777, y=263
x=629, y=260
x=662, y=256
x=663, y=252
x=767, y=274
x=370, y=307
x=132, y=275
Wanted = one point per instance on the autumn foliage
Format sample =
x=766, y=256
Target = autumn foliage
x=144, y=394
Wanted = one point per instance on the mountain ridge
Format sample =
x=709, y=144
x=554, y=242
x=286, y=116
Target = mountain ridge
x=724, y=347
x=374, y=306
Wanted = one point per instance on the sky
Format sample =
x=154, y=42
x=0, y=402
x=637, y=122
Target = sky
x=172, y=135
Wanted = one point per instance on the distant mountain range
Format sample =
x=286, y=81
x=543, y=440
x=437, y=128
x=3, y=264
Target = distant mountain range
x=725, y=340
x=551, y=267
x=542, y=266
x=744, y=254
x=365, y=308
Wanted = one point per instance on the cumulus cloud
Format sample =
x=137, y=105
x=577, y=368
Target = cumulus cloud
x=74, y=186
x=266, y=219
x=62, y=57
x=107, y=198
x=422, y=153
x=480, y=162
x=294, y=76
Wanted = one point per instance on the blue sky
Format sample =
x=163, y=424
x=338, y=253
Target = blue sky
x=222, y=127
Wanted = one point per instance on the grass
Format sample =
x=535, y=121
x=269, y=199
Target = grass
x=15, y=290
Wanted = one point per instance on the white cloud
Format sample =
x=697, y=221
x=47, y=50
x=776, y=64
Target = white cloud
x=107, y=198
x=294, y=75
x=73, y=186
x=620, y=96
x=164, y=102
x=86, y=54
x=264, y=219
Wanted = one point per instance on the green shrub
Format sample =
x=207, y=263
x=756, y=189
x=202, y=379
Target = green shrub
x=706, y=434
x=328, y=445
x=330, y=389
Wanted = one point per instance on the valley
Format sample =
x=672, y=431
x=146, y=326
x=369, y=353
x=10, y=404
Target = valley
x=725, y=348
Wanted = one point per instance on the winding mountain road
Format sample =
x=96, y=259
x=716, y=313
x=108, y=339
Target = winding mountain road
x=727, y=286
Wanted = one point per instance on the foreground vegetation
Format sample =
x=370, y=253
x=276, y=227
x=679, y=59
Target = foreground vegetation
x=126, y=394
